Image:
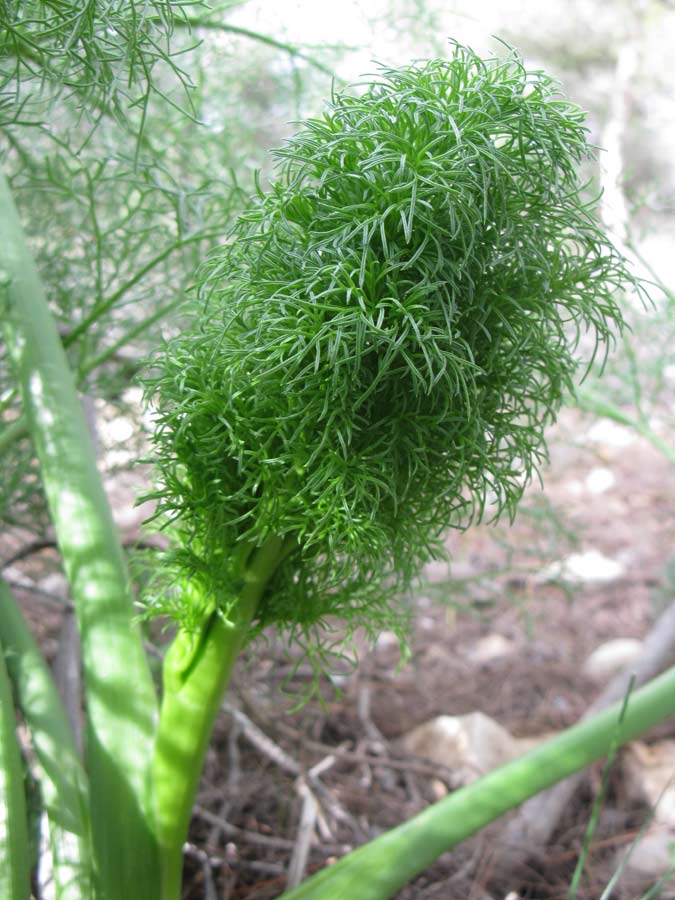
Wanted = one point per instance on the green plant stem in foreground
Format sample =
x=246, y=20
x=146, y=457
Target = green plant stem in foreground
x=63, y=784
x=379, y=869
x=14, y=864
x=119, y=694
x=196, y=671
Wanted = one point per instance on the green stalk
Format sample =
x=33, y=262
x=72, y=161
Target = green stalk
x=195, y=22
x=12, y=433
x=379, y=869
x=63, y=783
x=108, y=303
x=14, y=855
x=196, y=671
x=120, y=697
x=19, y=427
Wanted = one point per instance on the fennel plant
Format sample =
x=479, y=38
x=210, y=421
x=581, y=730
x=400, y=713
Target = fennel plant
x=373, y=358
x=374, y=355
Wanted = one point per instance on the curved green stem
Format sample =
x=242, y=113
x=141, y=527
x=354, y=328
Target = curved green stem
x=379, y=869
x=196, y=671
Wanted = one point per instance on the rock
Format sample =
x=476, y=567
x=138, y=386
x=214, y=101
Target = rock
x=55, y=584
x=387, y=649
x=649, y=771
x=652, y=857
x=438, y=788
x=611, y=658
x=599, y=480
x=591, y=566
x=490, y=648
x=386, y=641
x=609, y=434
x=469, y=745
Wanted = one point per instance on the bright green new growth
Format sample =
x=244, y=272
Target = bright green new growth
x=382, y=342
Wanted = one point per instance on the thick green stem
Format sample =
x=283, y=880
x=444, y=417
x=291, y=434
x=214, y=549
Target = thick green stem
x=196, y=671
x=63, y=783
x=120, y=697
x=19, y=427
x=14, y=856
x=379, y=869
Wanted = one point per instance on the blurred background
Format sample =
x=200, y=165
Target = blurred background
x=119, y=219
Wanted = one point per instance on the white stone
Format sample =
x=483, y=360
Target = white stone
x=611, y=658
x=119, y=429
x=18, y=578
x=438, y=788
x=649, y=776
x=590, y=566
x=469, y=745
x=112, y=459
x=490, y=648
x=610, y=434
x=386, y=641
x=649, y=771
x=652, y=856
x=599, y=480
x=55, y=584
x=133, y=396
x=575, y=488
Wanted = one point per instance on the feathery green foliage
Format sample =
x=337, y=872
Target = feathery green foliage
x=131, y=214
x=380, y=345
x=101, y=52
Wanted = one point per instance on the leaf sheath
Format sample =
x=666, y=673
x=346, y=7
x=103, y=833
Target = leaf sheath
x=63, y=784
x=14, y=856
x=120, y=698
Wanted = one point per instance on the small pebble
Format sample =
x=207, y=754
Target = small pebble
x=600, y=480
x=611, y=658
